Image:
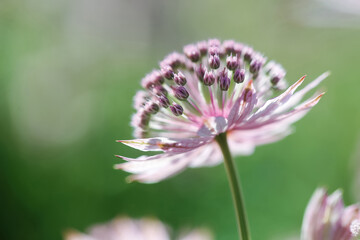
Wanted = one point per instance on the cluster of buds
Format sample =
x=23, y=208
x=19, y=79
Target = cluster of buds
x=200, y=82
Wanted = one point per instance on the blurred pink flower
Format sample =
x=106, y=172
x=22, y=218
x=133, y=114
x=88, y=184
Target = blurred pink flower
x=128, y=229
x=212, y=88
x=326, y=218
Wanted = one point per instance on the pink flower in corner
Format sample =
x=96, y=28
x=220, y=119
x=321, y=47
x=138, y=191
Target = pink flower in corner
x=127, y=229
x=326, y=218
x=212, y=88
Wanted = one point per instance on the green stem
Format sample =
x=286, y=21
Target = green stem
x=244, y=233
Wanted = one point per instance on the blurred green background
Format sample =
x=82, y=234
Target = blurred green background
x=69, y=69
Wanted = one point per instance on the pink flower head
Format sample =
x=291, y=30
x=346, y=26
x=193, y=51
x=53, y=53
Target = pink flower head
x=128, y=229
x=326, y=218
x=212, y=88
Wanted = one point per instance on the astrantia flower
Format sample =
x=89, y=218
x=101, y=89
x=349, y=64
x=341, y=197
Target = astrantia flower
x=210, y=89
x=128, y=229
x=326, y=218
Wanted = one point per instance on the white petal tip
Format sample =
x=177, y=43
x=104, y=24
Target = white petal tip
x=117, y=166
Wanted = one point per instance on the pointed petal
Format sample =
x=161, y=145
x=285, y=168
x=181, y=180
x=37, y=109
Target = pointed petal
x=249, y=100
x=243, y=142
x=147, y=163
x=285, y=119
x=271, y=105
x=296, y=98
x=174, y=145
x=313, y=214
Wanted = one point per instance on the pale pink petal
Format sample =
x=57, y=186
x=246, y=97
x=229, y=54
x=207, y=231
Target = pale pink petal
x=208, y=155
x=326, y=218
x=243, y=142
x=151, y=169
x=313, y=212
x=153, y=229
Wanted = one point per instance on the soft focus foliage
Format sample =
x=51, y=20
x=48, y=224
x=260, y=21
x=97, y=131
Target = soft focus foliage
x=69, y=69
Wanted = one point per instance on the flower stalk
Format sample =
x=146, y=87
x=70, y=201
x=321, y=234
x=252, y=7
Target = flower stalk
x=238, y=199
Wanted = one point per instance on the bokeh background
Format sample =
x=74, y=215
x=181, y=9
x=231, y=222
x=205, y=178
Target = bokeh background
x=69, y=69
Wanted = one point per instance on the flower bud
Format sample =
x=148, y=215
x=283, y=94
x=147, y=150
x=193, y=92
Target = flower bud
x=214, y=61
x=248, y=51
x=239, y=75
x=167, y=72
x=152, y=108
x=192, y=52
x=209, y=78
x=181, y=93
x=180, y=79
x=224, y=80
x=200, y=71
x=163, y=101
x=160, y=90
x=274, y=80
x=232, y=62
x=176, y=109
x=255, y=66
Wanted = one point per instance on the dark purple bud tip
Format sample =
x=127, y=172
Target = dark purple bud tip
x=181, y=93
x=144, y=119
x=200, y=71
x=180, y=79
x=232, y=62
x=248, y=54
x=167, y=72
x=176, y=109
x=214, y=61
x=255, y=67
x=160, y=90
x=192, y=52
x=209, y=78
x=274, y=80
x=152, y=108
x=164, y=101
x=239, y=75
x=224, y=80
